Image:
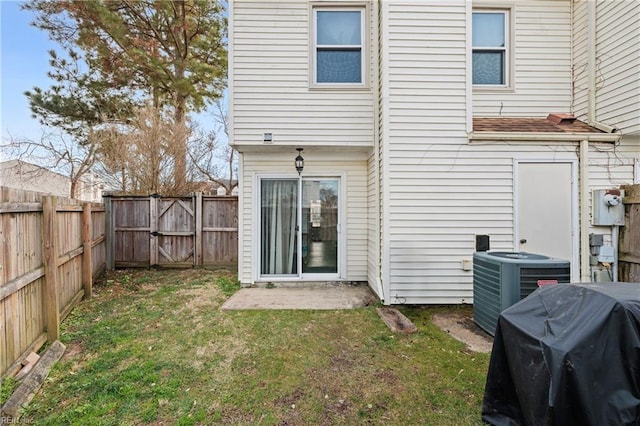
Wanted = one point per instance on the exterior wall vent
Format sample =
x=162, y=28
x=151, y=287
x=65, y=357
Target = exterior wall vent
x=501, y=279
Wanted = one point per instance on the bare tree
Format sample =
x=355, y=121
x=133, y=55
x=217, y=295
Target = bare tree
x=213, y=158
x=57, y=152
x=138, y=157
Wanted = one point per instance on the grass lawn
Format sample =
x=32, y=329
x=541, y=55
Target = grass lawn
x=153, y=348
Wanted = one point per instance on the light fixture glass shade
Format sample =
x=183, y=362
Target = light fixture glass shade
x=299, y=161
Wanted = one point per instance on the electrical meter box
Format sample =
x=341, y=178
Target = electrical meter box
x=608, y=209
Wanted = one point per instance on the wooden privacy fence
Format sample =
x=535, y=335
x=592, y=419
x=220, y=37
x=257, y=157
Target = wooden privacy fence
x=51, y=249
x=197, y=230
x=629, y=243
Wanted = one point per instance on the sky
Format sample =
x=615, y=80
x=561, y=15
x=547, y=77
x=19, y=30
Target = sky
x=24, y=65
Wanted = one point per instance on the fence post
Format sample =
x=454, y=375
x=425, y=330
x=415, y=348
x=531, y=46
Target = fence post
x=197, y=206
x=629, y=241
x=87, y=259
x=109, y=232
x=49, y=239
x=153, y=229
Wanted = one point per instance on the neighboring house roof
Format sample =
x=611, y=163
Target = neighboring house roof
x=209, y=186
x=554, y=123
x=31, y=177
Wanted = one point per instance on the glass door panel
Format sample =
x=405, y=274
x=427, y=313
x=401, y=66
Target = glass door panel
x=279, y=227
x=319, y=226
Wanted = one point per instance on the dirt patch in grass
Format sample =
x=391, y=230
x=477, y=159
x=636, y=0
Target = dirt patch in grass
x=200, y=297
x=460, y=325
x=73, y=350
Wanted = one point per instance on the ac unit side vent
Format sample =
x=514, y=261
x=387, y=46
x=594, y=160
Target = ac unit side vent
x=486, y=293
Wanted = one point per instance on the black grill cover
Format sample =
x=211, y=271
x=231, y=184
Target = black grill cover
x=568, y=354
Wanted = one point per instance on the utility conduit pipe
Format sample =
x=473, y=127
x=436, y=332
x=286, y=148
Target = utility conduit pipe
x=585, y=275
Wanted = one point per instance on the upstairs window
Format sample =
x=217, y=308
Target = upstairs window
x=338, y=46
x=490, y=30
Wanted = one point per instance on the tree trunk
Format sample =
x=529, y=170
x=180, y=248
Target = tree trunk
x=180, y=135
x=179, y=146
x=74, y=188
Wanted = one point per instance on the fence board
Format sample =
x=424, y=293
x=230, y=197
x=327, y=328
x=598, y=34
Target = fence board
x=629, y=242
x=98, y=240
x=220, y=230
x=29, y=283
x=49, y=241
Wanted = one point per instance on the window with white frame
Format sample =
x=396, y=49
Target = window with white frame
x=490, y=39
x=338, y=42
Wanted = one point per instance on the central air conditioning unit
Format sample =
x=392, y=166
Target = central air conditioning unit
x=501, y=279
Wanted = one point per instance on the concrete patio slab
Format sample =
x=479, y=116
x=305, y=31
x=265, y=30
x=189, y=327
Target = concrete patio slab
x=337, y=297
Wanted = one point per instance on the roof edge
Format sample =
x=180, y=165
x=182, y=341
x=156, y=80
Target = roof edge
x=543, y=137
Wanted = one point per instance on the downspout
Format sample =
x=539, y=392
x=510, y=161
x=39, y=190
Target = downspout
x=615, y=236
x=377, y=223
x=585, y=275
x=591, y=62
x=385, y=251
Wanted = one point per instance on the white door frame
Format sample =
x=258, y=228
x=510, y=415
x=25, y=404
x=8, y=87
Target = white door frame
x=342, y=237
x=575, y=207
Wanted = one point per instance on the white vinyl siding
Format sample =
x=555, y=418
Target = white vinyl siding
x=439, y=190
x=608, y=170
x=618, y=59
x=541, y=81
x=271, y=82
x=580, y=61
x=617, y=53
x=373, y=227
x=445, y=195
x=354, y=171
x=425, y=114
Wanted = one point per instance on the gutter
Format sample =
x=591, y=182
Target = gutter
x=543, y=137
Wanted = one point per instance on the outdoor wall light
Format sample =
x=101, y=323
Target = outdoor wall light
x=299, y=161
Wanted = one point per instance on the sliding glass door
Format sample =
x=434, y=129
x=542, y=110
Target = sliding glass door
x=319, y=226
x=279, y=227
x=299, y=227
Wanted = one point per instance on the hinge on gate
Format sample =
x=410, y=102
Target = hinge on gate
x=155, y=233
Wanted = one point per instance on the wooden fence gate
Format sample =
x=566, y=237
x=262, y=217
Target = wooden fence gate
x=629, y=243
x=197, y=230
x=172, y=241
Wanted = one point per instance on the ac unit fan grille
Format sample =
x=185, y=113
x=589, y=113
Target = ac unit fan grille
x=529, y=278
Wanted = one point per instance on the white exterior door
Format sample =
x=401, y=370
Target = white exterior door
x=546, y=209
